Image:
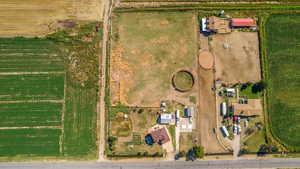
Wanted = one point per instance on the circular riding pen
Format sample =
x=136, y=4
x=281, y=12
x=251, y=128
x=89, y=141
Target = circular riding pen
x=183, y=81
x=206, y=59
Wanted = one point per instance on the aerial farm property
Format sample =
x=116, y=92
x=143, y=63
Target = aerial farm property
x=111, y=80
x=197, y=85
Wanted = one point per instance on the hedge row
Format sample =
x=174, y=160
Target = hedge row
x=209, y=7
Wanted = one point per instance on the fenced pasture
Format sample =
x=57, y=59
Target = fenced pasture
x=147, y=49
x=24, y=54
x=32, y=87
x=41, y=142
x=283, y=72
x=30, y=114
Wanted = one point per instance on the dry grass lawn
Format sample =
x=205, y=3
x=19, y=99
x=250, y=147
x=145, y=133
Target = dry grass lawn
x=147, y=49
x=39, y=17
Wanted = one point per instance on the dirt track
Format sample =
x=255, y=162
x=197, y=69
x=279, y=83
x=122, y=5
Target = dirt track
x=207, y=113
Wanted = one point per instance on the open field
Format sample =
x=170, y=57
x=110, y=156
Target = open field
x=282, y=44
x=239, y=63
x=38, y=18
x=147, y=49
x=48, y=104
x=36, y=55
x=30, y=114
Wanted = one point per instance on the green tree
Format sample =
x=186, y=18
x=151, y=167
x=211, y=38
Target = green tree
x=259, y=87
x=198, y=151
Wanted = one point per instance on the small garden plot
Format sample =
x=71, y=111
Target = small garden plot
x=147, y=50
x=237, y=57
x=129, y=129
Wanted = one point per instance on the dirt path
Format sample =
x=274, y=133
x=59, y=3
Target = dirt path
x=207, y=113
x=158, y=4
x=236, y=145
x=102, y=79
x=207, y=119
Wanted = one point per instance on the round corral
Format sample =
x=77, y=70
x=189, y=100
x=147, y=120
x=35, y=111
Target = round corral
x=206, y=60
x=183, y=81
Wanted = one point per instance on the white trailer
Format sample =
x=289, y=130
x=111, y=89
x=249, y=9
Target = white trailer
x=224, y=131
x=203, y=25
x=224, y=108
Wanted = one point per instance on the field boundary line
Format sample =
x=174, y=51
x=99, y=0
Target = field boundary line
x=61, y=140
x=31, y=127
x=32, y=101
x=29, y=73
x=136, y=4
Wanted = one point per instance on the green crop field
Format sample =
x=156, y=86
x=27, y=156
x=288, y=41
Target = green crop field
x=28, y=86
x=283, y=55
x=29, y=141
x=35, y=55
x=30, y=114
x=48, y=104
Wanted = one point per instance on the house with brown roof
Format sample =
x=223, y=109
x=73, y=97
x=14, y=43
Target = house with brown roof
x=160, y=136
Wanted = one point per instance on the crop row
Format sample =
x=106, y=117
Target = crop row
x=41, y=142
x=30, y=114
x=32, y=87
x=27, y=55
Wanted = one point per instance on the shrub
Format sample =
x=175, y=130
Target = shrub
x=259, y=87
x=198, y=151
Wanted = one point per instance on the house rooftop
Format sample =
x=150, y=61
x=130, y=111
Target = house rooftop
x=242, y=22
x=160, y=136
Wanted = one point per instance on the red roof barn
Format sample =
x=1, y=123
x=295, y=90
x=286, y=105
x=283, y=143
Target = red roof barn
x=242, y=22
x=160, y=136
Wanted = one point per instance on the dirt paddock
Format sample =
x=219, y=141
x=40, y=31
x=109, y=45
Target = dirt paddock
x=236, y=57
x=39, y=17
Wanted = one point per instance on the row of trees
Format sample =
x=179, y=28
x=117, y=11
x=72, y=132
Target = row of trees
x=197, y=152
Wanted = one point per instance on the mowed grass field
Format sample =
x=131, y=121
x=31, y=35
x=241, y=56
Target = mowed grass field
x=283, y=55
x=147, y=49
x=44, y=111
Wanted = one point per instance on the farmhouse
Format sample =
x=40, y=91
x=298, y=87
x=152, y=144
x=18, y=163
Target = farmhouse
x=242, y=22
x=216, y=24
x=166, y=118
x=160, y=136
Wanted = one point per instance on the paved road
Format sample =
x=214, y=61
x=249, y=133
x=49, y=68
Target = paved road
x=244, y=163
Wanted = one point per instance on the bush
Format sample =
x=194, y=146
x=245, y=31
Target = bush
x=259, y=87
x=111, y=142
x=198, y=151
